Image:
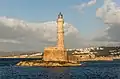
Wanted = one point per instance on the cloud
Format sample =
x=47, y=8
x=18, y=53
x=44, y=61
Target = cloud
x=18, y=35
x=109, y=13
x=9, y=41
x=92, y=2
x=80, y=7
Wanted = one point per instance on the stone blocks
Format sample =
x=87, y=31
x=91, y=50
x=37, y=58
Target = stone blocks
x=54, y=54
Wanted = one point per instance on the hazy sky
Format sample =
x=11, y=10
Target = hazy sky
x=117, y=1
x=82, y=17
x=30, y=24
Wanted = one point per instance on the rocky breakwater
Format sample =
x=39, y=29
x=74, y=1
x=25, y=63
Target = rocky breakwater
x=46, y=63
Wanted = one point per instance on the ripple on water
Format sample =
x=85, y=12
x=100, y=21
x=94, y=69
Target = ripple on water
x=92, y=70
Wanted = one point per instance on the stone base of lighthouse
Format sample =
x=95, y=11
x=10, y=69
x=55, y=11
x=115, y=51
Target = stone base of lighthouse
x=52, y=57
x=54, y=54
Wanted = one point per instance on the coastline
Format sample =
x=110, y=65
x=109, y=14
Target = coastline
x=32, y=62
x=78, y=59
x=97, y=59
x=61, y=64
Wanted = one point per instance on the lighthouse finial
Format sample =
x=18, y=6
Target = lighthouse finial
x=60, y=15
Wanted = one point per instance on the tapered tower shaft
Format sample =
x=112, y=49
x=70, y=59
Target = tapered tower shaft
x=60, y=31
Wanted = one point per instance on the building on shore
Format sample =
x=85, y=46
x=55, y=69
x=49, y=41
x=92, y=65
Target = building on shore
x=97, y=51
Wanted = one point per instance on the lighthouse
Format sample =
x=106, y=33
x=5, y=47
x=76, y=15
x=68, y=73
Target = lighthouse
x=60, y=31
x=54, y=56
x=57, y=53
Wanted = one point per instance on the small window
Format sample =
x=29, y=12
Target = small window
x=81, y=56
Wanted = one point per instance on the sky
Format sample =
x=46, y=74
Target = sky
x=31, y=24
x=46, y=10
x=117, y=1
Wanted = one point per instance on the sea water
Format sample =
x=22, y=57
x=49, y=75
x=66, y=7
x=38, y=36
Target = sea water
x=88, y=70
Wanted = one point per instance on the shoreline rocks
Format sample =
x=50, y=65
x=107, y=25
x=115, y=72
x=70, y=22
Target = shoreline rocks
x=46, y=64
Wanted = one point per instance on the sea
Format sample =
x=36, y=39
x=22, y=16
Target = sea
x=88, y=70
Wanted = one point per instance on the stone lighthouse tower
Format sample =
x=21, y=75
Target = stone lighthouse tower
x=60, y=31
x=57, y=53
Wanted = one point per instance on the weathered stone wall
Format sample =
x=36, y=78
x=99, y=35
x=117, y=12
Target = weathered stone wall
x=54, y=54
x=72, y=58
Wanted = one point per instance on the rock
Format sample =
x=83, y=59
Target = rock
x=46, y=64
